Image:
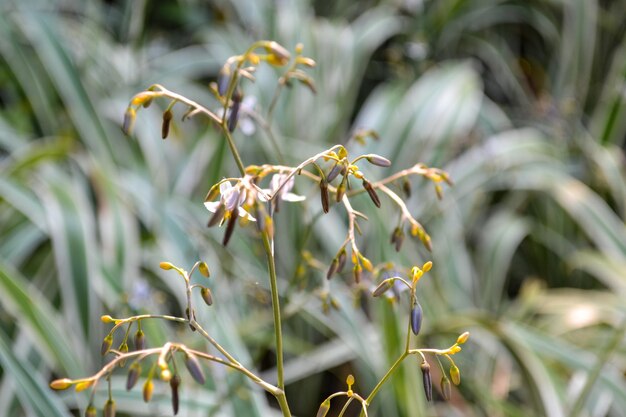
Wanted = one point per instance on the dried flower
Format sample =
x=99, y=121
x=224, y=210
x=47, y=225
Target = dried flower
x=174, y=384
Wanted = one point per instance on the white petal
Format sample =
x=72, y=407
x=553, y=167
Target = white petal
x=243, y=213
x=212, y=206
x=225, y=186
x=293, y=197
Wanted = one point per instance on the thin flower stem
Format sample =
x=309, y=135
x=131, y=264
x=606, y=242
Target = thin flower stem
x=384, y=379
x=345, y=406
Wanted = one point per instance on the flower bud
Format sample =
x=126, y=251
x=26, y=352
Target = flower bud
x=194, y=368
x=342, y=260
x=106, y=319
x=91, y=411
x=165, y=126
x=332, y=268
x=397, y=238
x=109, y=408
x=140, y=340
x=357, y=272
x=148, y=388
x=383, y=287
x=129, y=120
x=223, y=79
x=446, y=388
x=427, y=381
x=204, y=269
x=341, y=190
x=166, y=266
x=83, y=385
x=372, y=192
x=416, y=318
x=427, y=266
x=332, y=174
x=61, y=384
x=378, y=160
x=324, y=195
x=455, y=375
x=206, y=296
x=106, y=345
x=323, y=410
x=230, y=227
x=279, y=55
x=462, y=338
x=233, y=118
x=174, y=384
x=133, y=375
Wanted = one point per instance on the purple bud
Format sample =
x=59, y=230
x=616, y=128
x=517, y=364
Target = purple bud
x=416, y=318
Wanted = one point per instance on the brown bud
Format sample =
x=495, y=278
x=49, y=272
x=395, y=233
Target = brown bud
x=332, y=174
x=406, y=187
x=140, y=340
x=233, y=118
x=174, y=384
x=109, y=408
x=426, y=379
x=106, y=345
x=129, y=120
x=342, y=260
x=356, y=273
x=397, y=237
x=206, y=296
x=194, y=368
x=324, y=195
x=133, y=375
x=372, y=192
x=148, y=388
x=333, y=268
x=230, y=227
x=446, y=388
x=383, y=287
x=165, y=126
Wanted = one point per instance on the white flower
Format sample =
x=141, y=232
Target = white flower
x=231, y=198
x=284, y=193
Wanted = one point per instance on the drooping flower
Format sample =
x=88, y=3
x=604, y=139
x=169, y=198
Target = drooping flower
x=284, y=193
x=231, y=200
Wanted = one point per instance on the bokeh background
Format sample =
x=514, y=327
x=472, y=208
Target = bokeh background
x=522, y=101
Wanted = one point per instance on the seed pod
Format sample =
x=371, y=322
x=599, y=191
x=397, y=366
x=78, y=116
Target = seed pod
x=230, y=227
x=378, y=160
x=165, y=126
x=106, y=345
x=383, y=287
x=455, y=375
x=323, y=410
x=194, y=368
x=109, y=408
x=133, y=375
x=223, y=79
x=174, y=384
x=148, y=388
x=140, y=340
x=324, y=195
x=91, y=411
x=233, y=118
x=446, y=388
x=372, y=192
x=426, y=379
x=416, y=318
x=129, y=121
x=204, y=269
x=61, y=384
x=332, y=174
x=332, y=269
x=341, y=190
x=217, y=216
x=206, y=296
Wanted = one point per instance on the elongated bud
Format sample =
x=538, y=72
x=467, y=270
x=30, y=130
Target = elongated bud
x=61, y=384
x=332, y=269
x=367, y=264
x=133, y=375
x=446, y=388
x=148, y=388
x=455, y=375
x=230, y=227
x=323, y=410
x=106, y=319
x=129, y=121
x=427, y=266
x=140, y=340
x=406, y=187
x=123, y=349
x=397, y=238
x=324, y=195
x=383, y=287
x=204, y=269
x=332, y=174
x=166, y=266
x=462, y=338
x=109, y=408
x=223, y=79
x=194, y=368
x=83, y=385
x=280, y=56
x=416, y=318
x=206, y=296
x=343, y=256
x=165, y=126
x=356, y=273
x=426, y=379
x=378, y=160
x=106, y=345
x=372, y=192
x=174, y=384
x=91, y=411
x=341, y=190
x=233, y=118
x=217, y=216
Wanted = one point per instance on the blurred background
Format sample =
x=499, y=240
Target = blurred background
x=522, y=101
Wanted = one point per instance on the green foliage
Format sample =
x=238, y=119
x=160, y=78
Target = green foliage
x=521, y=102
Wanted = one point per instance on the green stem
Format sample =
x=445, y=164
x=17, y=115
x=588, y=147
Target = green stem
x=234, y=151
x=282, y=402
x=384, y=379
